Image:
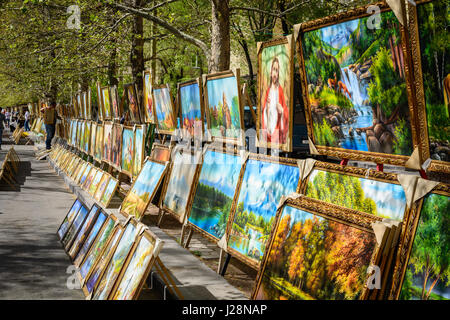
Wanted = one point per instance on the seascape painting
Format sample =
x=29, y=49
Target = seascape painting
x=81, y=236
x=314, y=258
x=263, y=185
x=127, y=150
x=382, y=199
x=69, y=218
x=214, y=195
x=109, y=191
x=191, y=110
x=138, y=150
x=356, y=86
x=165, y=114
x=141, y=193
x=148, y=99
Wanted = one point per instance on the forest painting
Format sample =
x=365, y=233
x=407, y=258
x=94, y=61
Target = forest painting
x=224, y=111
x=357, y=86
x=191, y=110
x=434, y=19
x=262, y=186
x=427, y=275
x=127, y=150
x=382, y=199
x=215, y=191
x=165, y=114
x=140, y=195
x=314, y=258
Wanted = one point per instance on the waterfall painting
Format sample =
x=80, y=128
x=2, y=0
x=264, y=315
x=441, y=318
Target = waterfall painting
x=356, y=84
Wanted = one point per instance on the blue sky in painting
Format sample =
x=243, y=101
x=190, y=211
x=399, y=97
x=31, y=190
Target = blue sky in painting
x=337, y=35
x=216, y=88
x=148, y=178
x=263, y=185
x=190, y=101
x=162, y=103
x=297, y=215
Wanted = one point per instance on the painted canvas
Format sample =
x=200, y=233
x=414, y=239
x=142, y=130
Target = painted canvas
x=127, y=150
x=275, y=89
x=148, y=99
x=69, y=218
x=73, y=140
x=74, y=227
x=223, y=107
x=314, y=258
x=138, y=158
x=98, y=143
x=87, y=136
x=164, y=109
x=356, y=82
x=90, y=177
x=427, y=275
x=102, y=186
x=191, y=110
x=215, y=192
x=82, y=135
x=107, y=141
x=106, y=102
x=117, y=146
x=130, y=283
x=143, y=189
x=106, y=282
x=109, y=191
x=133, y=105
x=85, y=228
x=370, y=196
x=115, y=104
x=262, y=186
x=95, y=182
x=160, y=153
x=93, y=138
x=85, y=174
x=81, y=172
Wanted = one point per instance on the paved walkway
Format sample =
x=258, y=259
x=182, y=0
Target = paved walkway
x=32, y=262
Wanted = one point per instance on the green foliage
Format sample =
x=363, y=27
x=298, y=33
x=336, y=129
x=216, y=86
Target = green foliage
x=403, y=139
x=330, y=97
x=438, y=121
x=324, y=135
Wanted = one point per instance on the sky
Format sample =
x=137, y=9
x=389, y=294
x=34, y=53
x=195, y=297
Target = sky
x=297, y=215
x=148, y=178
x=190, y=96
x=338, y=31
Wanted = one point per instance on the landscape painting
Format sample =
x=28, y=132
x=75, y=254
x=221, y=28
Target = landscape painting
x=191, y=110
x=138, y=150
x=87, y=136
x=356, y=82
x=263, y=185
x=117, y=146
x=102, y=186
x=314, y=258
x=160, y=153
x=214, y=195
x=69, y=218
x=164, y=108
x=107, y=141
x=143, y=189
x=223, y=107
x=382, y=199
x=90, y=177
x=95, y=182
x=82, y=136
x=427, y=275
x=98, y=143
x=109, y=192
x=80, y=172
x=148, y=99
x=127, y=150
x=93, y=138
x=81, y=236
x=74, y=227
x=85, y=174
x=73, y=140
x=106, y=102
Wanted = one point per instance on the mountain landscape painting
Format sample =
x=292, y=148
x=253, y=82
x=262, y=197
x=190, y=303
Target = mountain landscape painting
x=356, y=86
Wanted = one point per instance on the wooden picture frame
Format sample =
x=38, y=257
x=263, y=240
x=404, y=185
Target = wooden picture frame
x=131, y=98
x=109, y=192
x=98, y=150
x=382, y=135
x=99, y=102
x=160, y=152
x=75, y=226
x=147, y=94
x=139, y=149
x=238, y=139
x=116, y=106
x=157, y=103
x=117, y=146
x=107, y=144
x=106, y=103
x=102, y=185
x=190, y=127
x=126, y=132
x=93, y=138
x=68, y=219
x=89, y=178
x=265, y=70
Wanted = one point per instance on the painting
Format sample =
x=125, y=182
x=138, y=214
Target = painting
x=93, y=138
x=315, y=257
x=88, y=102
x=80, y=106
x=115, y=103
x=74, y=227
x=84, y=230
x=102, y=186
x=127, y=150
x=112, y=269
x=136, y=269
x=99, y=102
x=82, y=136
x=102, y=260
x=148, y=98
x=89, y=178
x=87, y=136
x=160, y=152
x=95, y=182
x=109, y=192
x=90, y=237
x=178, y=190
x=107, y=141
x=86, y=105
x=73, y=139
x=69, y=218
x=164, y=109
x=275, y=93
x=133, y=104
x=214, y=193
x=263, y=184
x=356, y=91
x=117, y=146
x=143, y=189
x=98, y=143
x=106, y=103
x=138, y=158
x=80, y=173
x=431, y=50
x=85, y=174
x=191, y=104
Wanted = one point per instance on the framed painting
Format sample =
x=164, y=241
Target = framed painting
x=126, y=163
x=317, y=252
x=97, y=267
x=95, y=182
x=356, y=86
x=275, y=93
x=177, y=194
x=76, y=206
x=80, y=106
x=85, y=174
x=165, y=115
x=107, y=141
x=139, y=150
x=214, y=193
x=78, y=140
x=93, y=138
x=79, y=166
x=90, y=177
x=72, y=231
x=83, y=232
x=431, y=53
x=84, y=98
x=136, y=268
x=160, y=152
x=148, y=98
x=82, y=136
x=106, y=103
x=112, y=270
x=80, y=172
x=422, y=270
x=73, y=133
x=109, y=192
x=98, y=143
x=102, y=186
x=87, y=136
x=266, y=179
x=191, y=103
x=115, y=103
x=143, y=189
x=116, y=146
x=132, y=102
x=88, y=103
x=99, y=102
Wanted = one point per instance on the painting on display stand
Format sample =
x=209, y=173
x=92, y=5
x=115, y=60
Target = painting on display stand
x=107, y=141
x=190, y=98
x=148, y=98
x=356, y=91
x=90, y=177
x=86, y=105
x=74, y=227
x=224, y=111
x=164, y=109
x=139, y=140
x=275, y=93
x=133, y=104
x=78, y=138
x=95, y=182
x=102, y=186
x=69, y=218
x=126, y=162
x=117, y=146
x=316, y=253
x=99, y=102
x=106, y=103
x=109, y=192
x=214, y=193
x=80, y=172
x=115, y=103
x=265, y=180
x=87, y=136
x=85, y=174
x=431, y=48
x=80, y=106
x=160, y=152
x=143, y=189
x=93, y=138
x=98, y=143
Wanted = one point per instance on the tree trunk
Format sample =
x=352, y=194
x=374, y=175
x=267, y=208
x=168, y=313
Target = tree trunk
x=137, y=48
x=432, y=286
x=219, y=59
x=112, y=67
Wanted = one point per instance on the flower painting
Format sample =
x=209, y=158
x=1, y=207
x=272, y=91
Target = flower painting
x=127, y=150
x=165, y=114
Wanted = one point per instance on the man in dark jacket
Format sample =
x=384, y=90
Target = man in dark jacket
x=50, y=123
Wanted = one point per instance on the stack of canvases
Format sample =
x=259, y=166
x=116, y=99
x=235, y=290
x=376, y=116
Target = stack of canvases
x=113, y=259
x=98, y=183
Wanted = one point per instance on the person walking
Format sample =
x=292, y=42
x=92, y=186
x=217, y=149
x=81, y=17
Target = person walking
x=2, y=120
x=27, y=121
x=50, y=123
